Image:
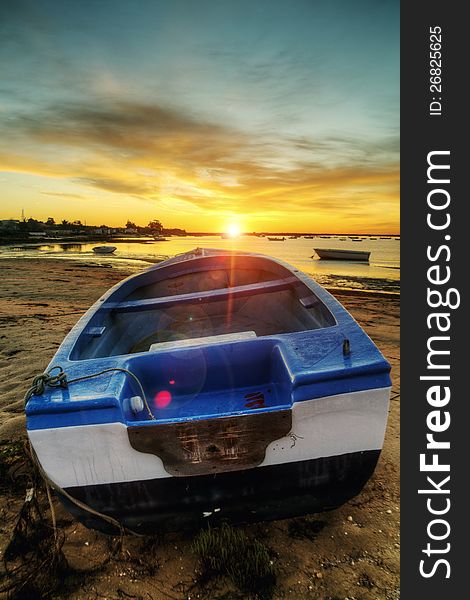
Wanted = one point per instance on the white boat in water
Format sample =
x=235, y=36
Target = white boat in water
x=104, y=249
x=337, y=254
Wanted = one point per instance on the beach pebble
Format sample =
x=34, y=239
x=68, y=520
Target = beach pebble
x=350, y=518
x=389, y=511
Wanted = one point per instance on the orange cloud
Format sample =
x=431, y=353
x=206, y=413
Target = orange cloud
x=168, y=159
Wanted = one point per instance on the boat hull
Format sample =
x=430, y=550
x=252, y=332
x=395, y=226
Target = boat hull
x=333, y=254
x=245, y=496
x=104, y=249
x=327, y=456
x=212, y=386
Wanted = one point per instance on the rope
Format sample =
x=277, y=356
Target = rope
x=50, y=484
x=40, y=382
x=38, y=386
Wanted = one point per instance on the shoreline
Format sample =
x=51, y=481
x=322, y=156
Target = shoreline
x=124, y=264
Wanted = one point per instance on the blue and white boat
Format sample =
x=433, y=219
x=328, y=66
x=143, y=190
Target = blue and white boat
x=216, y=385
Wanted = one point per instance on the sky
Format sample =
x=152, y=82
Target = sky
x=274, y=115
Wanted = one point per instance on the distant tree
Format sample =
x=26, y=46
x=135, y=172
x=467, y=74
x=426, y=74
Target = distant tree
x=65, y=224
x=131, y=225
x=34, y=225
x=155, y=226
x=50, y=221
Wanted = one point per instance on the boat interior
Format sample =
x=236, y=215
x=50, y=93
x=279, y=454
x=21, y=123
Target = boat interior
x=218, y=296
x=196, y=336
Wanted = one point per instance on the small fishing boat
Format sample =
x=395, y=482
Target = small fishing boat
x=340, y=254
x=159, y=238
x=104, y=249
x=214, y=386
x=276, y=239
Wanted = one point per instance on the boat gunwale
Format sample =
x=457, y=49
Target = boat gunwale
x=344, y=321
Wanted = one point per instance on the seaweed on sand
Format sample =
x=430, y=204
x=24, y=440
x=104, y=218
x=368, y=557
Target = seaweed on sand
x=33, y=560
x=229, y=552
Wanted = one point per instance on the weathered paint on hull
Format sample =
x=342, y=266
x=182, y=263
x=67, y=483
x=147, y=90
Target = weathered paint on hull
x=265, y=493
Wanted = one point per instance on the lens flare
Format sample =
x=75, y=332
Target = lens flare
x=162, y=399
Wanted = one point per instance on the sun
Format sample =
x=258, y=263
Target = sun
x=233, y=230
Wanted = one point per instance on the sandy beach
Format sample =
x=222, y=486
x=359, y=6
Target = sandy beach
x=349, y=553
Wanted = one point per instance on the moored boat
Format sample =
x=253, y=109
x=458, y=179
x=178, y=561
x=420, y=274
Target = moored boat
x=340, y=254
x=213, y=386
x=276, y=239
x=104, y=249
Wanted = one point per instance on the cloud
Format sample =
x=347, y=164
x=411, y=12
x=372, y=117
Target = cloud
x=63, y=195
x=159, y=153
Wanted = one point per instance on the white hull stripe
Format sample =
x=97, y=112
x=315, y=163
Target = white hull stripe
x=99, y=454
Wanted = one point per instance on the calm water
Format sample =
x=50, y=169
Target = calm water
x=381, y=273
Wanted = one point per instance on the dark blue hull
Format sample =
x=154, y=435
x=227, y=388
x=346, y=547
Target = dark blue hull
x=265, y=493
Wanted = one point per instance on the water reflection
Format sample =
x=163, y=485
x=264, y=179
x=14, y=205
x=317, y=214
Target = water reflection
x=64, y=247
x=382, y=272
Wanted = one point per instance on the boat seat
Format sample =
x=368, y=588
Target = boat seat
x=203, y=341
x=207, y=296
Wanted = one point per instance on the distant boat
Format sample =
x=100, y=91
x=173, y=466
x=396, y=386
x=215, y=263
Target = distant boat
x=325, y=237
x=276, y=239
x=309, y=237
x=385, y=238
x=104, y=249
x=357, y=240
x=337, y=254
x=293, y=237
x=159, y=238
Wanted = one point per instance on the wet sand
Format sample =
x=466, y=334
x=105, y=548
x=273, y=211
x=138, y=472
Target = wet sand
x=353, y=552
